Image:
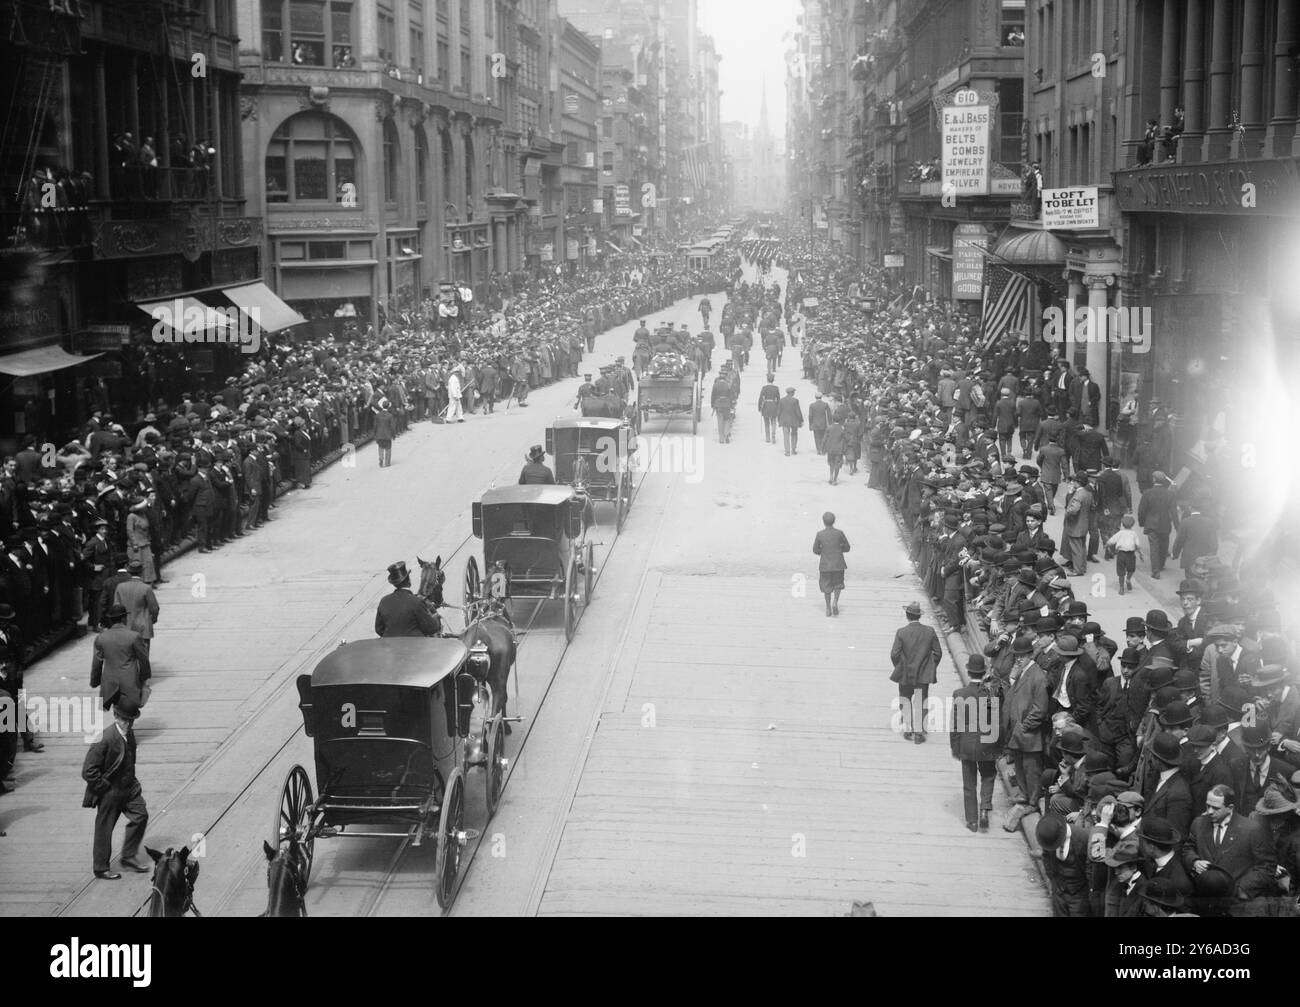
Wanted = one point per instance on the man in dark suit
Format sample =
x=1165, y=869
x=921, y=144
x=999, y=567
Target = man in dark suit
x=974, y=735
x=140, y=602
x=789, y=414
x=1160, y=842
x=830, y=544
x=1124, y=892
x=1262, y=768
x=1211, y=768
x=819, y=418
x=120, y=668
x=96, y=555
x=1024, y=711
x=1065, y=862
x=201, y=498
x=113, y=791
x=1194, y=624
x=402, y=613
x=915, y=655
x=1198, y=535
x=1158, y=516
x=1169, y=797
x=1241, y=846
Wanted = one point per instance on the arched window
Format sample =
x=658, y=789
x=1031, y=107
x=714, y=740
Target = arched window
x=421, y=166
x=392, y=155
x=312, y=158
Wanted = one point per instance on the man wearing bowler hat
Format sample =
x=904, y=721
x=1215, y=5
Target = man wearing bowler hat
x=1072, y=683
x=120, y=667
x=1124, y=892
x=974, y=736
x=401, y=613
x=1024, y=714
x=1211, y=767
x=113, y=790
x=915, y=655
x=140, y=602
x=1159, y=842
x=1065, y=862
x=1262, y=766
x=1161, y=897
x=1168, y=795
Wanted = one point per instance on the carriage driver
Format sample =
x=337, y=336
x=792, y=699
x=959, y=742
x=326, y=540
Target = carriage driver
x=536, y=472
x=402, y=613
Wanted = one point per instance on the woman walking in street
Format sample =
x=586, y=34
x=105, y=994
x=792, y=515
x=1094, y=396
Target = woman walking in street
x=831, y=544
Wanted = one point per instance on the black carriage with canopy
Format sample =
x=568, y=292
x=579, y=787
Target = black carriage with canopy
x=595, y=454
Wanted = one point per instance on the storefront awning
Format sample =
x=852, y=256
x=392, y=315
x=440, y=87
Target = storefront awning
x=1030, y=247
x=613, y=248
x=181, y=313
x=40, y=361
x=632, y=238
x=261, y=304
x=938, y=251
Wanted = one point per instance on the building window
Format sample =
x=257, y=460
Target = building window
x=312, y=159
x=469, y=175
x=448, y=159
x=392, y=155
x=1013, y=22
x=466, y=71
x=421, y=166
x=387, y=35
x=308, y=32
x=464, y=17
x=528, y=119
x=415, y=34
x=441, y=11
x=444, y=58
x=607, y=125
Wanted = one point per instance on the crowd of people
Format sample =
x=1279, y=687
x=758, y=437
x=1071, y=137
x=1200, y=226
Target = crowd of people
x=1161, y=756
x=142, y=478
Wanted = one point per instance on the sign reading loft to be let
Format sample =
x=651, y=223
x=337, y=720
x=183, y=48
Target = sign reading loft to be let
x=1066, y=208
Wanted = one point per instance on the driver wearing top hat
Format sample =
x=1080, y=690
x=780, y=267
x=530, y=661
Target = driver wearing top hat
x=402, y=613
x=535, y=471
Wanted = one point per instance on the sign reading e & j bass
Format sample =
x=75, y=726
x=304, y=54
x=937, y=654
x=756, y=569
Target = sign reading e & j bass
x=965, y=139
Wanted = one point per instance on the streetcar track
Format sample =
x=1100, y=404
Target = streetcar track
x=372, y=901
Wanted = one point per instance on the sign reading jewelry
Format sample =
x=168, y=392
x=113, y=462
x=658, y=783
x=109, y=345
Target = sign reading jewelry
x=965, y=140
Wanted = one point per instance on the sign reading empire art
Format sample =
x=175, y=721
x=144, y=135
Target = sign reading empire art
x=965, y=139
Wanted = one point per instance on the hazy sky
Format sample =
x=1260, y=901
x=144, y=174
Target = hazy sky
x=748, y=37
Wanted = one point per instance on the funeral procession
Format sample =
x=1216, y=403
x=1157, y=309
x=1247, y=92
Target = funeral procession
x=662, y=458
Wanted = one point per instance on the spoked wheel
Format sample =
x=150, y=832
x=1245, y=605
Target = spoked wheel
x=570, y=603
x=494, y=768
x=451, y=823
x=293, y=818
x=624, y=499
x=589, y=572
x=472, y=587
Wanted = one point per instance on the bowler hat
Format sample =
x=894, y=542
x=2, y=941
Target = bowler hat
x=1155, y=829
x=1050, y=832
x=1076, y=610
x=1157, y=621
x=1165, y=748
x=1255, y=736
x=1175, y=714
x=1022, y=645
x=115, y=612
x=1215, y=716
x=7, y=613
x=1135, y=625
x=1214, y=882
x=1047, y=624
x=398, y=574
x=1097, y=761
x=1071, y=743
x=1161, y=892
x=1191, y=586
x=126, y=708
x=1131, y=657
x=975, y=666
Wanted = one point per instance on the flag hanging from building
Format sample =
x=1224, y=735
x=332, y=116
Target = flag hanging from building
x=1006, y=304
x=697, y=165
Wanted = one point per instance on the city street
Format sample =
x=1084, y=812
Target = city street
x=709, y=743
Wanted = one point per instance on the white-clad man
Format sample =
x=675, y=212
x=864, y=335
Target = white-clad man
x=455, y=408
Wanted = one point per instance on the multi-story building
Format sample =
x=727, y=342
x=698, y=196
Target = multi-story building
x=124, y=186
x=628, y=139
x=384, y=139
x=578, y=115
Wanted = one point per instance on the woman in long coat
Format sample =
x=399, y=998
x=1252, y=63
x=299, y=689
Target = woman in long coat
x=831, y=544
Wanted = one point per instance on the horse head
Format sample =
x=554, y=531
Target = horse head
x=432, y=577
x=174, y=875
x=286, y=880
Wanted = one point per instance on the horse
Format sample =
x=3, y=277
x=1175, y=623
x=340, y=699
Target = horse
x=286, y=880
x=432, y=577
x=172, y=884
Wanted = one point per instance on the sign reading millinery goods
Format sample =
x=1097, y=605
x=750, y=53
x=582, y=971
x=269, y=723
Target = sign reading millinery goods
x=1071, y=207
x=965, y=139
x=893, y=260
x=622, y=201
x=571, y=248
x=968, y=242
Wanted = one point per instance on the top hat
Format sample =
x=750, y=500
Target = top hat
x=398, y=574
x=536, y=453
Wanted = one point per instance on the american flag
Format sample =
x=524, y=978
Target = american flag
x=697, y=165
x=1006, y=304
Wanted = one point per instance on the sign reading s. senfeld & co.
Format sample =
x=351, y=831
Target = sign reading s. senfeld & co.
x=965, y=146
x=1077, y=207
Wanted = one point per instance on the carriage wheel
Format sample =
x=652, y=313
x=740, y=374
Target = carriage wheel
x=624, y=499
x=293, y=818
x=472, y=587
x=494, y=769
x=451, y=822
x=570, y=606
x=589, y=573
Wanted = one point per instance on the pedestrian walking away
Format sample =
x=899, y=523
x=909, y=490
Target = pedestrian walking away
x=915, y=656
x=385, y=431
x=113, y=790
x=789, y=415
x=831, y=544
x=974, y=735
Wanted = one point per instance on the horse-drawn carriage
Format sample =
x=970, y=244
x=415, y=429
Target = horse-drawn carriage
x=594, y=455
x=535, y=545
x=397, y=724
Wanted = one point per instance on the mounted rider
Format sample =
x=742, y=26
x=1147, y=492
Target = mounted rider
x=402, y=613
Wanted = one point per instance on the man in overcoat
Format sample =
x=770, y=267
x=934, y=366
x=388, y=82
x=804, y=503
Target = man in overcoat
x=975, y=731
x=915, y=655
